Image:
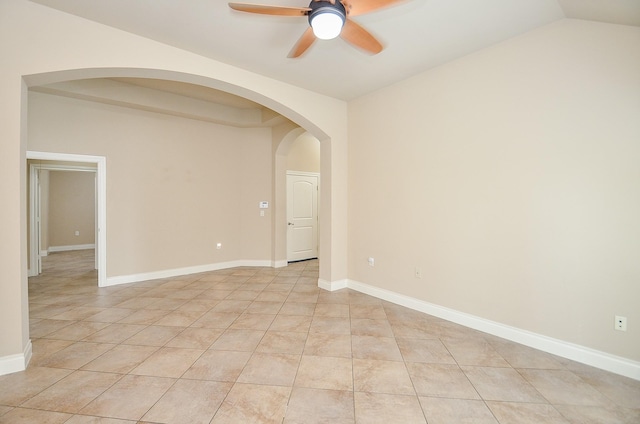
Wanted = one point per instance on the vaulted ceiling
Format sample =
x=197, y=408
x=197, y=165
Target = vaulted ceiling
x=417, y=34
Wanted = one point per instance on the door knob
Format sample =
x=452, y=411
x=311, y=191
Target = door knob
x=289, y=223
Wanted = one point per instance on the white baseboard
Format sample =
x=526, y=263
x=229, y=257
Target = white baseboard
x=15, y=363
x=44, y=253
x=168, y=273
x=280, y=264
x=70, y=248
x=582, y=354
x=332, y=285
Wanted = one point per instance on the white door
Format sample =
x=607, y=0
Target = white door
x=302, y=216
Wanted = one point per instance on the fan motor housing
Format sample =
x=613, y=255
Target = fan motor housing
x=318, y=7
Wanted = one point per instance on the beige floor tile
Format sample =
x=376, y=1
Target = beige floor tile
x=238, y=340
x=189, y=402
x=562, y=387
x=252, y=322
x=624, y=391
x=441, y=380
x=115, y=333
x=144, y=316
x=154, y=335
x=377, y=376
x=110, y=315
x=371, y=327
x=180, y=318
x=47, y=326
x=250, y=403
x=243, y=295
x=43, y=348
x=314, y=406
x=520, y=356
x=302, y=297
x=325, y=372
x=218, y=365
x=295, y=323
x=33, y=416
x=456, y=411
x=213, y=319
x=77, y=331
x=78, y=313
x=598, y=415
x=18, y=387
x=370, y=347
x=319, y=344
x=424, y=350
x=76, y=355
x=380, y=408
x=526, y=413
x=166, y=304
x=5, y=409
x=502, y=384
x=292, y=308
x=332, y=310
x=88, y=419
x=234, y=306
x=195, y=338
x=121, y=359
x=274, y=369
x=130, y=398
x=367, y=311
x=330, y=325
x=168, y=362
x=73, y=392
x=474, y=352
x=264, y=308
x=282, y=342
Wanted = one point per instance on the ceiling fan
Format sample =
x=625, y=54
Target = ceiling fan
x=327, y=19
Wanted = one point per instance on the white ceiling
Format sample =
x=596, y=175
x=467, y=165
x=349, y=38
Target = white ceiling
x=417, y=34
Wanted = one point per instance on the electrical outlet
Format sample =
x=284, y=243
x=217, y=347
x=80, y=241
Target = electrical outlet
x=418, y=273
x=219, y=246
x=621, y=323
x=372, y=262
x=77, y=233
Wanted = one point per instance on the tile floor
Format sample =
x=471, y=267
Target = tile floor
x=262, y=345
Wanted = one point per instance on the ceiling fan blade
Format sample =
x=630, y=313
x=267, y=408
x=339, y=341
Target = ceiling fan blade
x=360, y=7
x=270, y=10
x=303, y=43
x=360, y=37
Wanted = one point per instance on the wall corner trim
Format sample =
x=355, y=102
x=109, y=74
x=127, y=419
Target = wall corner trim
x=15, y=363
x=332, y=285
x=582, y=354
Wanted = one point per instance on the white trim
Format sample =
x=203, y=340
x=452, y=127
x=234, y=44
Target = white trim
x=168, y=273
x=101, y=195
x=44, y=253
x=304, y=174
x=332, y=285
x=582, y=354
x=71, y=247
x=16, y=363
x=279, y=264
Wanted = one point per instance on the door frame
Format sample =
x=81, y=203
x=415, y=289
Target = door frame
x=286, y=203
x=100, y=198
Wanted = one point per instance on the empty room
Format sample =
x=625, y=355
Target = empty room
x=216, y=212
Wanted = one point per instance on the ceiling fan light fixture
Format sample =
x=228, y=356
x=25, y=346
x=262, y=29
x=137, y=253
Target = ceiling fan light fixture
x=327, y=20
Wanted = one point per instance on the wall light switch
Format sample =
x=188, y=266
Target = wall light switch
x=77, y=233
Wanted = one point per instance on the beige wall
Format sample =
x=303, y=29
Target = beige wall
x=41, y=45
x=304, y=154
x=510, y=177
x=71, y=208
x=175, y=186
